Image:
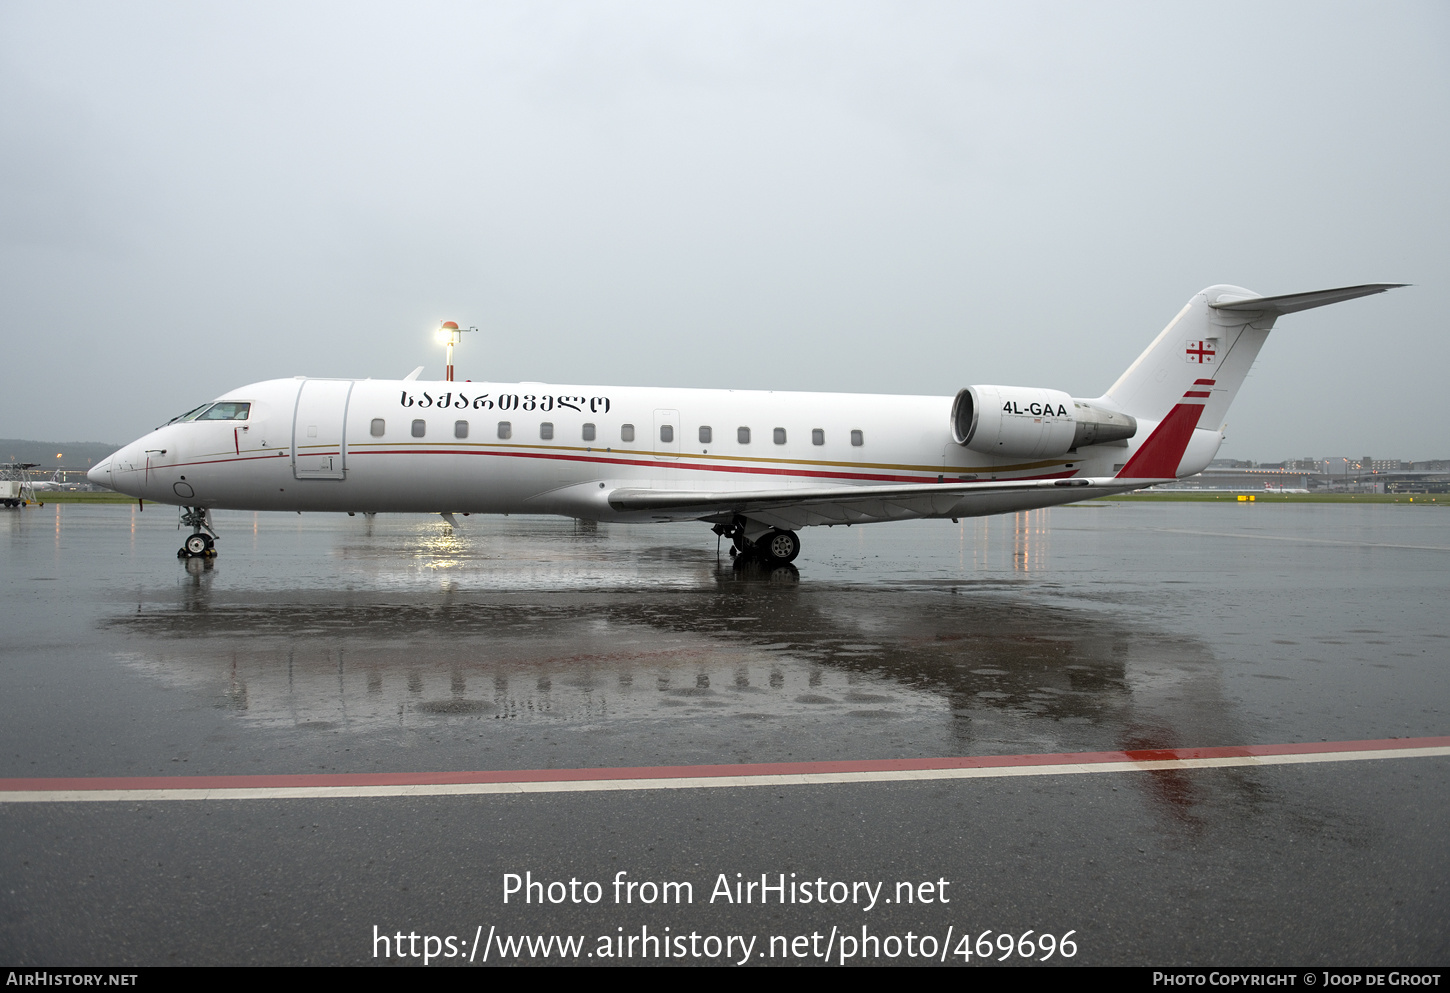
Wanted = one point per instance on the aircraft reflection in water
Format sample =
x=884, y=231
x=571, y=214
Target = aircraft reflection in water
x=757, y=466
x=956, y=663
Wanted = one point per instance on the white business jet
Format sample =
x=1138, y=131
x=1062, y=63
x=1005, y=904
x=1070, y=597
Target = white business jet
x=758, y=466
x=55, y=484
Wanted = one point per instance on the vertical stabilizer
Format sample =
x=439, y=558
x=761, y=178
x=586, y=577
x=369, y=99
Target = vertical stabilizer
x=1189, y=375
x=1203, y=350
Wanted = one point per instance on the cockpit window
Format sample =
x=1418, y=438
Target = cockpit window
x=190, y=415
x=225, y=411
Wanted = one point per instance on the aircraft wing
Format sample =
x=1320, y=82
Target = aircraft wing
x=797, y=507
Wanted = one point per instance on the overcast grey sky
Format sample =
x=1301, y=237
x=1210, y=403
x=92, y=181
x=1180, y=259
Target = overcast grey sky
x=867, y=197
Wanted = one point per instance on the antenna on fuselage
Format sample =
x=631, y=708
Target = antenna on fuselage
x=451, y=334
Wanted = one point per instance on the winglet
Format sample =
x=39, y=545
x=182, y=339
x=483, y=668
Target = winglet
x=412, y=375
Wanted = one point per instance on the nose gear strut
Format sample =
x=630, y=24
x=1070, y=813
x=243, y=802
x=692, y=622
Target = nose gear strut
x=199, y=544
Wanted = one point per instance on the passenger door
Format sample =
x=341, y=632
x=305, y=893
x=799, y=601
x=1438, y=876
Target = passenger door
x=319, y=429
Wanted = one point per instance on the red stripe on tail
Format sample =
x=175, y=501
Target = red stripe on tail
x=1161, y=453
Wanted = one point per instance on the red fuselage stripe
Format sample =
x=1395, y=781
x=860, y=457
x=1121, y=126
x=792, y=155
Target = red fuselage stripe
x=926, y=476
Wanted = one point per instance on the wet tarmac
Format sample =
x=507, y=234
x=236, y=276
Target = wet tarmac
x=329, y=644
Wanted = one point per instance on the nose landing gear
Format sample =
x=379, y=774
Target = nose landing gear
x=200, y=543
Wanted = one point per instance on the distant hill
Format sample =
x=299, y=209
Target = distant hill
x=74, y=454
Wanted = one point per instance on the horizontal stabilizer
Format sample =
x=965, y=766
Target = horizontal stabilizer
x=1290, y=303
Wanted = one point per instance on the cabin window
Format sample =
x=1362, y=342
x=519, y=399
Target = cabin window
x=226, y=411
x=460, y=429
x=818, y=436
x=705, y=434
x=667, y=433
x=780, y=436
x=420, y=428
x=857, y=438
x=742, y=435
x=626, y=432
x=379, y=426
x=588, y=432
x=505, y=430
x=546, y=431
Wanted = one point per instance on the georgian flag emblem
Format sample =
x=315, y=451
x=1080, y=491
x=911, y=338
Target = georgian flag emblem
x=1201, y=351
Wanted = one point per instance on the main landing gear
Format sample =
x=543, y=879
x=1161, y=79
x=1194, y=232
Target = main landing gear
x=774, y=547
x=200, y=543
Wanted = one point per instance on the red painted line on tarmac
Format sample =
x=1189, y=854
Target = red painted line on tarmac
x=666, y=772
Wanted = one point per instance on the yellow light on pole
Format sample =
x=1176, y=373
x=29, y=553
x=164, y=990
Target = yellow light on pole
x=450, y=334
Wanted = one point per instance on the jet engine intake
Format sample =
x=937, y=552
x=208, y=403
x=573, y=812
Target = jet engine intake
x=1023, y=422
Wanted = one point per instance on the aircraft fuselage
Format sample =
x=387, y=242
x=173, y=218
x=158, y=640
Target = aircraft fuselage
x=490, y=448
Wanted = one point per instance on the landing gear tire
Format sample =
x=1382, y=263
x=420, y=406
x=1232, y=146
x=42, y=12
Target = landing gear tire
x=197, y=546
x=778, y=547
x=774, y=548
x=200, y=544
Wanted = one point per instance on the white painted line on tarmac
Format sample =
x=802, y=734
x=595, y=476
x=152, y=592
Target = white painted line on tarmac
x=346, y=786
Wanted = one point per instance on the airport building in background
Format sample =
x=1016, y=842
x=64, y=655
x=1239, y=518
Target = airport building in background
x=1339, y=474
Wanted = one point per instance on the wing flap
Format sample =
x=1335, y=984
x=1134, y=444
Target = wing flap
x=802, y=506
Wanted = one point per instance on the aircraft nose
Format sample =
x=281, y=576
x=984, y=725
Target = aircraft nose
x=101, y=474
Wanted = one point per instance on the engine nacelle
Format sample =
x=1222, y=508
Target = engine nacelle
x=1022, y=422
